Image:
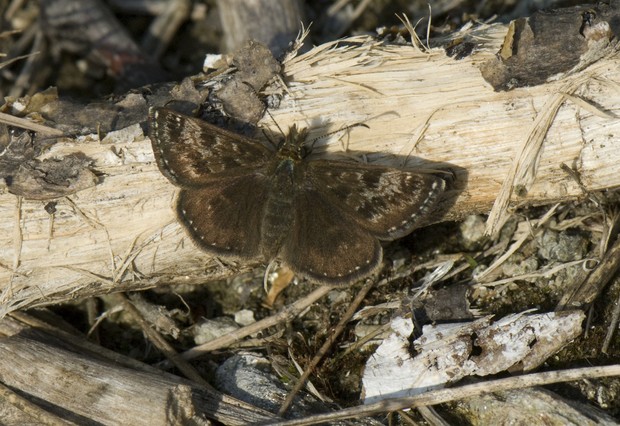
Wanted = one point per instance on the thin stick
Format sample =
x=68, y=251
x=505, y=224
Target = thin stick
x=468, y=391
x=285, y=314
x=535, y=227
x=161, y=343
x=326, y=346
x=24, y=123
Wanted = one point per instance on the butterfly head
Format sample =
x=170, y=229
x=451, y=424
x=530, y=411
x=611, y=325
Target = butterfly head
x=293, y=145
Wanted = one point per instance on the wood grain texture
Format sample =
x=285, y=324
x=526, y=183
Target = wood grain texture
x=422, y=107
x=76, y=381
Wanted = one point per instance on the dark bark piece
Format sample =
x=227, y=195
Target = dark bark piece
x=445, y=304
x=241, y=102
x=550, y=43
x=255, y=67
x=52, y=178
x=46, y=179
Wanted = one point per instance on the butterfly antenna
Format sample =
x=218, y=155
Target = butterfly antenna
x=276, y=123
x=275, y=145
x=313, y=141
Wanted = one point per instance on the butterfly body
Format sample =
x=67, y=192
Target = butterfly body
x=323, y=218
x=278, y=211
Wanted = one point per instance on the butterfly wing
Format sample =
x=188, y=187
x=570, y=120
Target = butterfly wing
x=388, y=202
x=224, y=218
x=191, y=152
x=326, y=246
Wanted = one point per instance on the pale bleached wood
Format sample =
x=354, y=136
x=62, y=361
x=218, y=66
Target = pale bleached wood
x=429, y=106
x=122, y=234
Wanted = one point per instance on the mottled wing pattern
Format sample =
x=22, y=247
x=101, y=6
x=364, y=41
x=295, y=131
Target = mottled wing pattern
x=326, y=246
x=388, y=202
x=224, y=217
x=191, y=152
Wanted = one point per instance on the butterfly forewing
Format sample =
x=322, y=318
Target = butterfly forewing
x=191, y=152
x=326, y=246
x=387, y=202
x=224, y=217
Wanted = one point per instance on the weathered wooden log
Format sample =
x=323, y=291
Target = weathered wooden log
x=68, y=380
x=502, y=131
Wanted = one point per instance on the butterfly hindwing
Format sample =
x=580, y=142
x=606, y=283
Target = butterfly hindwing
x=326, y=246
x=224, y=217
x=191, y=152
x=388, y=202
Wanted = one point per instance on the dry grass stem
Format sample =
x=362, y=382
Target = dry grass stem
x=285, y=314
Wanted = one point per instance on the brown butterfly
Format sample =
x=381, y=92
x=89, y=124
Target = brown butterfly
x=322, y=218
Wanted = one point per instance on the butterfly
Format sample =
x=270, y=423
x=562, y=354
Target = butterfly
x=323, y=218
